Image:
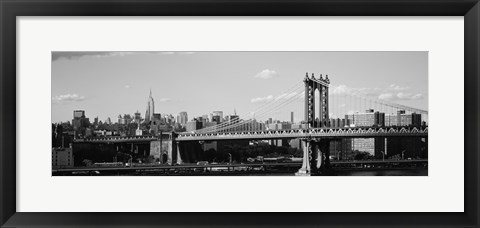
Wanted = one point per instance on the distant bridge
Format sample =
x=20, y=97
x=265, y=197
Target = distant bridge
x=119, y=139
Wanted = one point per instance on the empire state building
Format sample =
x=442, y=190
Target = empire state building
x=150, y=109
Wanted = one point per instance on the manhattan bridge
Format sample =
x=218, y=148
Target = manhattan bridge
x=317, y=131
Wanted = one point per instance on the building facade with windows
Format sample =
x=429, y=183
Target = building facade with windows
x=62, y=158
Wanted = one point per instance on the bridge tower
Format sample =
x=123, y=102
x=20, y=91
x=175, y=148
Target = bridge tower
x=311, y=85
x=315, y=151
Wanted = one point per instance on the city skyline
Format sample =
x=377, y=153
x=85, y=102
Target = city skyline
x=101, y=83
x=236, y=118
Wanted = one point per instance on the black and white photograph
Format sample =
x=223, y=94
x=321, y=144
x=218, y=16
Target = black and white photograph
x=239, y=113
x=125, y=113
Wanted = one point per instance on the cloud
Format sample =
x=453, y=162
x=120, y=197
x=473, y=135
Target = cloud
x=400, y=96
x=283, y=96
x=165, y=99
x=262, y=99
x=391, y=93
x=286, y=95
x=386, y=96
x=417, y=96
x=394, y=87
x=345, y=90
x=67, y=98
x=267, y=74
x=368, y=91
x=127, y=86
x=103, y=54
x=341, y=89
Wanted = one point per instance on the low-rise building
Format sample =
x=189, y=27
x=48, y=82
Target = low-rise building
x=62, y=157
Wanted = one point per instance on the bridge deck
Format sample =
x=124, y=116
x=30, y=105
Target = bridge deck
x=358, y=132
x=345, y=132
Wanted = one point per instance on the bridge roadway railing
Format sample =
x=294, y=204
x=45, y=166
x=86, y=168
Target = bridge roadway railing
x=353, y=132
x=119, y=139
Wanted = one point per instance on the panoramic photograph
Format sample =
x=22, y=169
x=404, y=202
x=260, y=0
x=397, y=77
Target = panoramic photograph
x=210, y=113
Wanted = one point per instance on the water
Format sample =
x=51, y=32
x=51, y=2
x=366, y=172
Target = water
x=419, y=171
x=354, y=172
x=392, y=172
x=338, y=172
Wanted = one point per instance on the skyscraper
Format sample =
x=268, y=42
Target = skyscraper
x=150, y=108
x=218, y=113
x=78, y=114
x=80, y=122
x=183, y=118
x=138, y=117
x=193, y=125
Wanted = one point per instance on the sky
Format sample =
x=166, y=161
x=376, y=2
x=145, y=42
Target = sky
x=106, y=84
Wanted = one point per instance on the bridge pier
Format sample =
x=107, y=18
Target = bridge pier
x=174, y=154
x=316, y=157
x=178, y=158
x=324, y=158
x=316, y=161
x=320, y=161
x=305, y=170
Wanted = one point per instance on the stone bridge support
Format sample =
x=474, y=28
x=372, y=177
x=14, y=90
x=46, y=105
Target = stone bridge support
x=323, y=159
x=305, y=170
x=316, y=157
x=174, y=153
x=166, y=151
x=161, y=150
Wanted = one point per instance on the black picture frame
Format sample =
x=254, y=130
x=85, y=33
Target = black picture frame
x=10, y=9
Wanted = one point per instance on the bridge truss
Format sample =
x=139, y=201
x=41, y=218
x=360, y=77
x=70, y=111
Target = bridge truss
x=360, y=132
